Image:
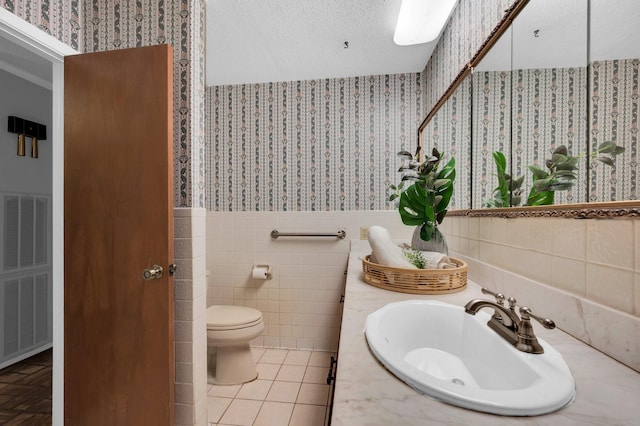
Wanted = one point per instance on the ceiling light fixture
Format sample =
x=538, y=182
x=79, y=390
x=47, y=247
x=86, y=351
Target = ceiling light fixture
x=420, y=21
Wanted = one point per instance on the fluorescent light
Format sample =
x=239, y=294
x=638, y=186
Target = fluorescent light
x=421, y=21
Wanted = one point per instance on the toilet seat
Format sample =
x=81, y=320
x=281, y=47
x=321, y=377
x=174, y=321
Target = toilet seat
x=227, y=317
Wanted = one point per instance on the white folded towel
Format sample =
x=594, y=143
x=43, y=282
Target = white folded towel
x=385, y=251
x=437, y=260
x=427, y=259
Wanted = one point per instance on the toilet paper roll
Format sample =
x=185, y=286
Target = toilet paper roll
x=260, y=272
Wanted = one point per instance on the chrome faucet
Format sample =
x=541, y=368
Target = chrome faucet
x=515, y=329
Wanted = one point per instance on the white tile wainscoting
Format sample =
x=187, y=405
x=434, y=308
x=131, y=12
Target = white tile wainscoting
x=584, y=274
x=190, y=296
x=596, y=262
x=301, y=302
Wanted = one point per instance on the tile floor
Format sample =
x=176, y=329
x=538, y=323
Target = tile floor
x=291, y=389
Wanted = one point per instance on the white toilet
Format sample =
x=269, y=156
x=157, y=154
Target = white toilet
x=229, y=331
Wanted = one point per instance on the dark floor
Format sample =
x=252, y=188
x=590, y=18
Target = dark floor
x=25, y=391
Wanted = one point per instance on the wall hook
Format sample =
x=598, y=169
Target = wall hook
x=21, y=143
x=346, y=44
x=24, y=128
x=34, y=147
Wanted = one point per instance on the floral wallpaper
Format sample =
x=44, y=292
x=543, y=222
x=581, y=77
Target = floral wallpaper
x=556, y=119
x=470, y=24
x=450, y=133
x=99, y=25
x=549, y=109
x=118, y=24
x=58, y=18
x=331, y=144
x=613, y=117
x=309, y=145
x=111, y=24
x=491, y=128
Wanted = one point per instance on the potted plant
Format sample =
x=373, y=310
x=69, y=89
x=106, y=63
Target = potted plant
x=423, y=195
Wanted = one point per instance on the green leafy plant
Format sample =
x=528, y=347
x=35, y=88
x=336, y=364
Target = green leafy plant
x=561, y=174
x=415, y=257
x=508, y=192
x=424, y=202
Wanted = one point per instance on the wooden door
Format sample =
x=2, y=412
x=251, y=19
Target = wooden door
x=118, y=327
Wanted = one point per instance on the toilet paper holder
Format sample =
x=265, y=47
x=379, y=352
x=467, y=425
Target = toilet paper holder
x=262, y=271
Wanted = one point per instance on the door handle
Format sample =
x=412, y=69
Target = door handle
x=153, y=273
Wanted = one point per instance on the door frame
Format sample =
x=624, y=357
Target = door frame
x=51, y=49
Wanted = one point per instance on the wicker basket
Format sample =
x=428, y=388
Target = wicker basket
x=416, y=281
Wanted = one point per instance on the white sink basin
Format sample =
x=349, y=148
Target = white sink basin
x=454, y=357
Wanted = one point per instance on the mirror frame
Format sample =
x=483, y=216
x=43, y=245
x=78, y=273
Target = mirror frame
x=606, y=210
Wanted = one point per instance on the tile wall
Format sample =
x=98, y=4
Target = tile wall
x=301, y=302
x=585, y=274
x=190, y=316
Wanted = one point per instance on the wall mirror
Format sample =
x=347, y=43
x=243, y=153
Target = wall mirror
x=614, y=68
x=449, y=130
x=549, y=90
x=554, y=73
x=491, y=118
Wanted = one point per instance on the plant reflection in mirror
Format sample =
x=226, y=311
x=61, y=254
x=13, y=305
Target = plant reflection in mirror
x=508, y=192
x=425, y=200
x=560, y=176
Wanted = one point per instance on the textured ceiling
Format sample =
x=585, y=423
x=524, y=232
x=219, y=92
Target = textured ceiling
x=552, y=34
x=257, y=41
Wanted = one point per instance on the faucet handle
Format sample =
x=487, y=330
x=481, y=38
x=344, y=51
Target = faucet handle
x=499, y=296
x=525, y=314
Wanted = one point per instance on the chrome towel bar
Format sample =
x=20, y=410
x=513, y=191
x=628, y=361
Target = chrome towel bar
x=340, y=234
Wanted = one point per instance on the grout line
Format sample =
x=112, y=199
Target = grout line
x=294, y=403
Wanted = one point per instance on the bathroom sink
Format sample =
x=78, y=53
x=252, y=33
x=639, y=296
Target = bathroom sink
x=449, y=355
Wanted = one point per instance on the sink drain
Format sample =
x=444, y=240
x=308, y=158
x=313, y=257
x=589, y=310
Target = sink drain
x=457, y=382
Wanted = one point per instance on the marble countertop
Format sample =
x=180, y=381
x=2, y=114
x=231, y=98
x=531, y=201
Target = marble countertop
x=607, y=392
